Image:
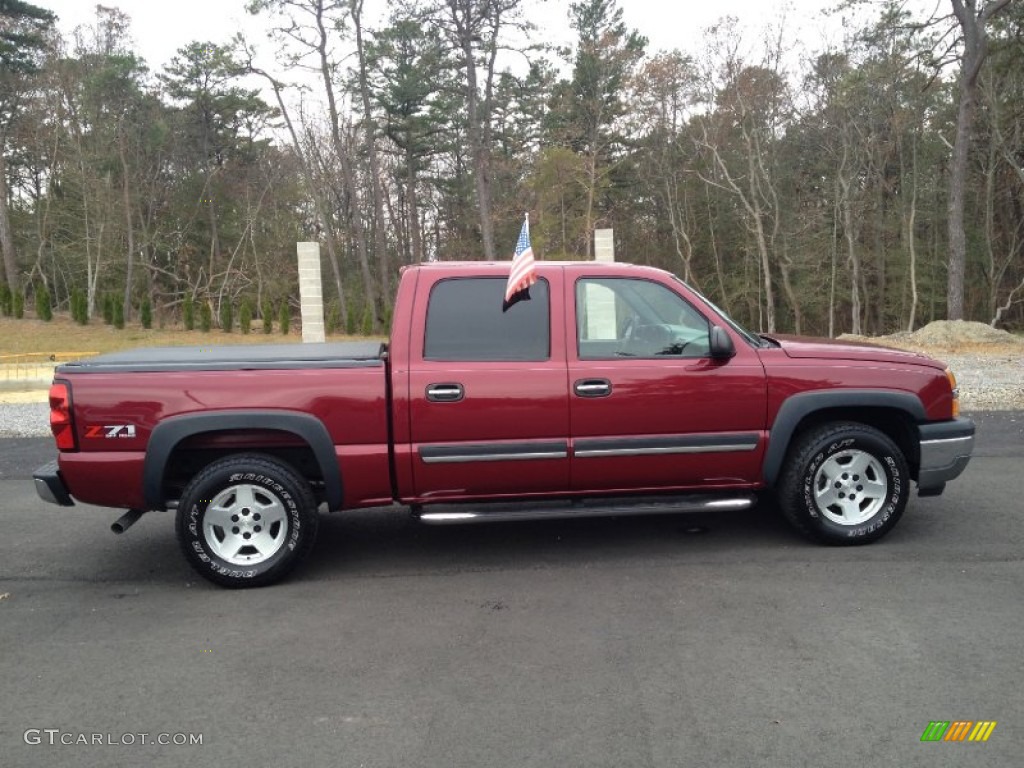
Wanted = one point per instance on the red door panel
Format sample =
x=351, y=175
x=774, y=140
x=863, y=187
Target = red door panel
x=644, y=417
x=489, y=427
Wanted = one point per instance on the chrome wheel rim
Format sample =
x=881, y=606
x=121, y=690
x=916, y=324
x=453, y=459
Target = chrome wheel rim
x=850, y=487
x=245, y=524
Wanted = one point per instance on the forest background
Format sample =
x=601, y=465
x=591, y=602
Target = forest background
x=864, y=186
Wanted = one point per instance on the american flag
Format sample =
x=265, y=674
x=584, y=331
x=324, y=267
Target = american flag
x=524, y=269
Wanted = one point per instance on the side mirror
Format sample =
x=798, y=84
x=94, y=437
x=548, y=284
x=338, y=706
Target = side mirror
x=722, y=347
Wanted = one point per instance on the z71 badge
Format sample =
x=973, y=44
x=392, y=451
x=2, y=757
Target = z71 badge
x=110, y=431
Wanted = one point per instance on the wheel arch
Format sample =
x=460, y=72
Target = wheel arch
x=896, y=414
x=169, y=434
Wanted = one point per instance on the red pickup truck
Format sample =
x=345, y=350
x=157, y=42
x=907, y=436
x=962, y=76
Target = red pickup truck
x=614, y=390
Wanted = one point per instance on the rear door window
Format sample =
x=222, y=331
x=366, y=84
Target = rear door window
x=465, y=322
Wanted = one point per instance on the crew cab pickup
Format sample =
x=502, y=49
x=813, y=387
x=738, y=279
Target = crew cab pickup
x=613, y=390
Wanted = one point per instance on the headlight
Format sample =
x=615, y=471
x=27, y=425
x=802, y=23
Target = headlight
x=955, y=391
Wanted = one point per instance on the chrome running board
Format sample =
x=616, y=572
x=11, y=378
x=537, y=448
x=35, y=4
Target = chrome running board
x=453, y=514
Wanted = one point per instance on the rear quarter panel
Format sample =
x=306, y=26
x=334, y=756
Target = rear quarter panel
x=115, y=414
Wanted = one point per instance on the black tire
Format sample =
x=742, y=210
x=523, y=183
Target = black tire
x=844, y=483
x=246, y=521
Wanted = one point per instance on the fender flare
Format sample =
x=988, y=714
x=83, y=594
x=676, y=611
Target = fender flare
x=170, y=432
x=797, y=407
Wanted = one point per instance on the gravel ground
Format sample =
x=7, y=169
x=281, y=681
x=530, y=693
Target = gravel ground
x=24, y=420
x=988, y=382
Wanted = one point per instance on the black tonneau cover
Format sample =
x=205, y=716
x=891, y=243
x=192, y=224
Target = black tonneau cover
x=245, y=357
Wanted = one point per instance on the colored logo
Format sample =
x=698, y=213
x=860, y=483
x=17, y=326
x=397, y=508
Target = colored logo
x=958, y=730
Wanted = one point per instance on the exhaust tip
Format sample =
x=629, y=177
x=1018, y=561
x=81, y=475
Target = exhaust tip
x=126, y=521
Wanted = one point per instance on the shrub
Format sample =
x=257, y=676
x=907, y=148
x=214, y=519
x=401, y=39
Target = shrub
x=188, y=313
x=205, y=317
x=18, y=305
x=267, y=310
x=146, y=313
x=108, y=309
x=118, y=314
x=245, y=316
x=350, y=320
x=227, y=317
x=367, y=329
x=79, y=307
x=332, y=319
x=6, y=300
x=284, y=319
x=43, y=309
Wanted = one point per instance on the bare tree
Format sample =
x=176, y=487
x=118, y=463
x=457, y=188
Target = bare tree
x=973, y=21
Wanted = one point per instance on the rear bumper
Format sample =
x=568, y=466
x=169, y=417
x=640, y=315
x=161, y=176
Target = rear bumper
x=945, y=452
x=50, y=485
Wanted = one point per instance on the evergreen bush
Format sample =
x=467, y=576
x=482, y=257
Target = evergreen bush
x=284, y=319
x=267, y=311
x=227, y=317
x=43, y=309
x=245, y=316
x=367, y=329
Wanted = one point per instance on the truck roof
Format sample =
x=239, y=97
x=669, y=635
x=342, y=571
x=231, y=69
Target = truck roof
x=503, y=266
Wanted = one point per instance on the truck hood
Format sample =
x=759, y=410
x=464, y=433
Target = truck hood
x=831, y=349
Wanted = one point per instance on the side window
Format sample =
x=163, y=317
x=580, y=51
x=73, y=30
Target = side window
x=465, y=321
x=626, y=317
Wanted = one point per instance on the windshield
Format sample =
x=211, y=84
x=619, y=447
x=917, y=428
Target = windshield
x=751, y=338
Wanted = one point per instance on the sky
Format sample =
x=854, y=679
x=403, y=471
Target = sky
x=160, y=28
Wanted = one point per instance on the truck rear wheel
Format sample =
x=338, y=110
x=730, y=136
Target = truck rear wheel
x=246, y=521
x=844, y=483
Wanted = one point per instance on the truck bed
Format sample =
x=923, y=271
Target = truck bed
x=354, y=354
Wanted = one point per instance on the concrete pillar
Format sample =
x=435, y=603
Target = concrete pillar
x=604, y=245
x=311, y=294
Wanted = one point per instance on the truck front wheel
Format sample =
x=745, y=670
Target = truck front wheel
x=246, y=521
x=844, y=483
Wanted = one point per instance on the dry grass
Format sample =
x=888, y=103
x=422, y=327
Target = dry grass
x=64, y=339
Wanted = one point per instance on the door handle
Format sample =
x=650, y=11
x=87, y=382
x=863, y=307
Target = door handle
x=592, y=388
x=445, y=393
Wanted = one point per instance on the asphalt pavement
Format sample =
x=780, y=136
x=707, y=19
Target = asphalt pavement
x=689, y=640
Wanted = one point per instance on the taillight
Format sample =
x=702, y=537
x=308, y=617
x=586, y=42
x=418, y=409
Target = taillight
x=61, y=423
x=955, y=390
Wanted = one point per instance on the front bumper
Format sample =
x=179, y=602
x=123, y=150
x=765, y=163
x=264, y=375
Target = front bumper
x=945, y=451
x=50, y=485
